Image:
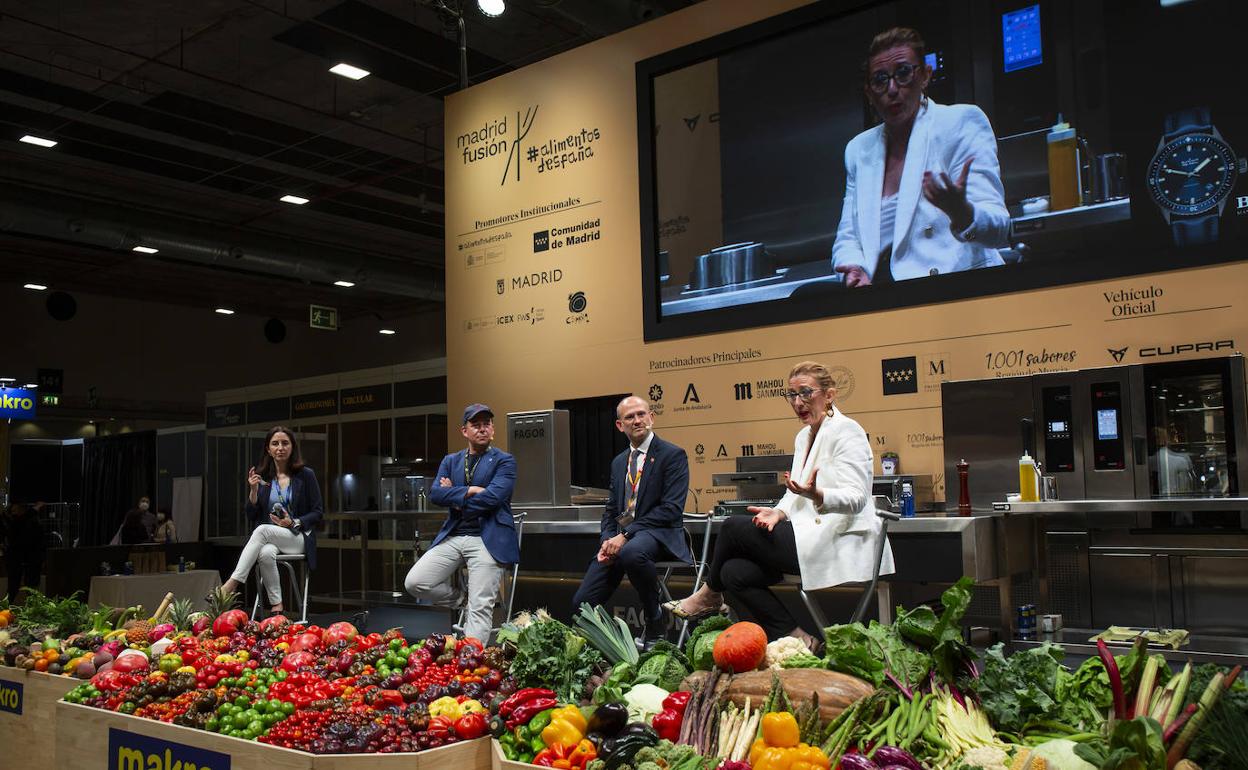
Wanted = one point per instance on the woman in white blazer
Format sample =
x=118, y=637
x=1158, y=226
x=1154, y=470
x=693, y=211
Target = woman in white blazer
x=824, y=528
x=923, y=193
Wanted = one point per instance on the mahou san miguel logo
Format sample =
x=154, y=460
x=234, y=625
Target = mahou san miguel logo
x=499, y=138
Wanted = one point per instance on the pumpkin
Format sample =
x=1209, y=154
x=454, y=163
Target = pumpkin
x=741, y=647
x=836, y=691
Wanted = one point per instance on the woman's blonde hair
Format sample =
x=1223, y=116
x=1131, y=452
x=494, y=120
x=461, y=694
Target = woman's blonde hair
x=820, y=374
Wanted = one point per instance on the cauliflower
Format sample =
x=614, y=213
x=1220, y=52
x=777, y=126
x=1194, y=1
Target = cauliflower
x=782, y=648
x=986, y=757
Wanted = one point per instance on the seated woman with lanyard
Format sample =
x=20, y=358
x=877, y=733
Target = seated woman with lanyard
x=824, y=528
x=284, y=499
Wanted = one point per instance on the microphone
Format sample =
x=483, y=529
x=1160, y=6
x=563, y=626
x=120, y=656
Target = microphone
x=279, y=511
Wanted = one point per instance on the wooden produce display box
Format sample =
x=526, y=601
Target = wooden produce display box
x=501, y=762
x=94, y=739
x=28, y=709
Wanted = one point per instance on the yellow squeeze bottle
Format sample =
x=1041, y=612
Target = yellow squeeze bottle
x=1064, y=184
x=1028, y=488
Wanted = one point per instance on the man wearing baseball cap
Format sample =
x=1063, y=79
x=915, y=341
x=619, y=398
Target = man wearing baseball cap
x=475, y=484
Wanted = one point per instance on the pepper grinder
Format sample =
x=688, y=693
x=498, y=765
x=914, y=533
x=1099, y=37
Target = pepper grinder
x=964, y=488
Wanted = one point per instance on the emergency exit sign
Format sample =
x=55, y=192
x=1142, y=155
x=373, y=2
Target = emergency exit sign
x=321, y=317
x=49, y=399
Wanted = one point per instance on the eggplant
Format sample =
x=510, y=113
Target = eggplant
x=894, y=757
x=639, y=728
x=857, y=762
x=609, y=719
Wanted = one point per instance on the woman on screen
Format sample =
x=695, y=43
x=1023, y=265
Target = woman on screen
x=923, y=193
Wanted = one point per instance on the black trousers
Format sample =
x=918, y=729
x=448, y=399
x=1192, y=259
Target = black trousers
x=636, y=560
x=746, y=561
x=22, y=573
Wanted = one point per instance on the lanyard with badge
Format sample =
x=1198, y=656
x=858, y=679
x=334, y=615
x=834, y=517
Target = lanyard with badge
x=633, y=480
x=470, y=466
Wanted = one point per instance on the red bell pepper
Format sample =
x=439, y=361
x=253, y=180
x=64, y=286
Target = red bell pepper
x=677, y=701
x=549, y=755
x=667, y=724
x=471, y=726
x=389, y=698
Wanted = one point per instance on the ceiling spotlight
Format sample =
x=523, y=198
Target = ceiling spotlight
x=385, y=331
x=145, y=250
x=35, y=287
x=491, y=7
x=8, y=379
x=344, y=284
x=38, y=141
x=295, y=199
x=224, y=311
x=347, y=71
x=32, y=385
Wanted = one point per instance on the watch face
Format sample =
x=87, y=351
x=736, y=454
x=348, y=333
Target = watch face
x=1191, y=174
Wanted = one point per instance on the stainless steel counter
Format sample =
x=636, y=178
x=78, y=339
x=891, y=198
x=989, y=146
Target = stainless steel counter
x=1126, y=506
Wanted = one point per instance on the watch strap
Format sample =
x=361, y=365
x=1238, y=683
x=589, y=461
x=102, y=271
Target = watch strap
x=1188, y=120
x=1195, y=231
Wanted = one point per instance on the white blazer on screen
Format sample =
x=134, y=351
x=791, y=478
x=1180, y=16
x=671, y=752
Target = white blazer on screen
x=943, y=138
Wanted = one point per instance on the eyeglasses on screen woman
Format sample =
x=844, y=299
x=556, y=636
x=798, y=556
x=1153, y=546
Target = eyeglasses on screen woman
x=903, y=75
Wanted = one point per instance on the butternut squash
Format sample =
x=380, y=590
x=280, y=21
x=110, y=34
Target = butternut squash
x=836, y=690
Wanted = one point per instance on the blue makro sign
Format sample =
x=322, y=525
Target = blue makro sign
x=131, y=751
x=17, y=403
x=10, y=697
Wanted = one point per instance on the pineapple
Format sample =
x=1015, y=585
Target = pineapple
x=180, y=613
x=221, y=600
x=137, y=633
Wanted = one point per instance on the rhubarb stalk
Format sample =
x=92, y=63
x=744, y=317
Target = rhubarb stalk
x=1115, y=679
x=1144, y=693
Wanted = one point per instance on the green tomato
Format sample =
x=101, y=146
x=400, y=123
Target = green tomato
x=240, y=720
x=288, y=708
x=212, y=725
x=242, y=701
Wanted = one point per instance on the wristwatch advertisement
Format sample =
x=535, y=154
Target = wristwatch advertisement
x=1191, y=176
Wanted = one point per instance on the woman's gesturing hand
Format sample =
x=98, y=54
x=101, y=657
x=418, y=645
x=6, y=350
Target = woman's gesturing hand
x=766, y=518
x=807, y=490
x=950, y=196
x=253, y=479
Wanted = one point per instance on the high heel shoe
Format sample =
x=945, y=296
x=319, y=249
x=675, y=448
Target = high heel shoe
x=674, y=608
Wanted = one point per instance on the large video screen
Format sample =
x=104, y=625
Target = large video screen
x=844, y=158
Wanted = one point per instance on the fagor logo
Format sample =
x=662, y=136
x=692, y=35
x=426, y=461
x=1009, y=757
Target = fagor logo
x=131, y=751
x=11, y=697
x=528, y=433
x=1187, y=347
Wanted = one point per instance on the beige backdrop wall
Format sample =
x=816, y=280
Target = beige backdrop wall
x=542, y=216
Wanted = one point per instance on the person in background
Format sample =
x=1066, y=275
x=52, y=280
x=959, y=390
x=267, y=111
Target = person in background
x=923, y=192
x=133, y=531
x=644, y=518
x=165, y=531
x=142, y=512
x=475, y=485
x=824, y=528
x=284, y=499
x=21, y=534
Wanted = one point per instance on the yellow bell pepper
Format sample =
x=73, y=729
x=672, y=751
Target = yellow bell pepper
x=780, y=729
x=780, y=748
x=567, y=727
x=473, y=706
x=446, y=706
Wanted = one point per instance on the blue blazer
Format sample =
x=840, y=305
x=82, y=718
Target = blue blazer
x=661, y=497
x=496, y=472
x=305, y=505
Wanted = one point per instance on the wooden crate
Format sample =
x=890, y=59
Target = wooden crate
x=501, y=762
x=83, y=744
x=34, y=730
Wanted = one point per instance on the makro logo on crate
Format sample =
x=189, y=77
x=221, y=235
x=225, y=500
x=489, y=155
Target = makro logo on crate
x=10, y=697
x=131, y=751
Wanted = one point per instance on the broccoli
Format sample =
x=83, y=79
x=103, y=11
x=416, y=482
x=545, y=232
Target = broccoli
x=647, y=754
x=650, y=766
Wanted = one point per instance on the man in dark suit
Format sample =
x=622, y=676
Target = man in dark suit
x=644, y=518
x=476, y=485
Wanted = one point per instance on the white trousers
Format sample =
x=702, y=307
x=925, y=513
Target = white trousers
x=267, y=541
x=431, y=578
